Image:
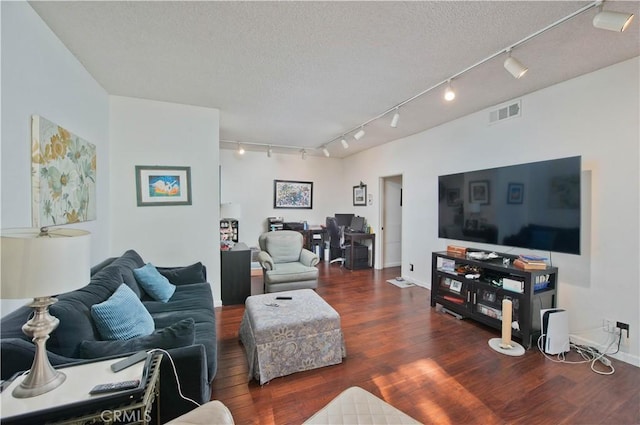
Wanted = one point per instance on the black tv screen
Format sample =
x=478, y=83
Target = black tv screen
x=534, y=205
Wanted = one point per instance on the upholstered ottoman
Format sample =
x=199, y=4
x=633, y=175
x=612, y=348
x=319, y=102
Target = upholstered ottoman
x=284, y=336
x=357, y=406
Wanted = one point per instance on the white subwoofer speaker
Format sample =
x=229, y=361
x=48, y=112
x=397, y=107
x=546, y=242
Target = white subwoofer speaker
x=554, y=324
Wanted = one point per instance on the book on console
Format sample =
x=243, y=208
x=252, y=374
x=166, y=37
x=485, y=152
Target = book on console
x=529, y=266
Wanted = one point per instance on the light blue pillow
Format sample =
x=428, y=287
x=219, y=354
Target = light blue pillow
x=122, y=316
x=154, y=284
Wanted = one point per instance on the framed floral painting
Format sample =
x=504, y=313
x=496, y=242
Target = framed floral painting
x=63, y=175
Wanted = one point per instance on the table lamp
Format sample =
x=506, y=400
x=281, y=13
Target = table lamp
x=38, y=264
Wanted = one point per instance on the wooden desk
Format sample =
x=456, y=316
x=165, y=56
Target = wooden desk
x=351, y=238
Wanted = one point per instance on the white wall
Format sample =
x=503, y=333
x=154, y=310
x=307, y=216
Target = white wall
x=248, y=180
x=40, y=76
x=147, y=132
x=595, y=116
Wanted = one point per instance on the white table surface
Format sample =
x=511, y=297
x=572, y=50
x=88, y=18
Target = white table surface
x=80, y=380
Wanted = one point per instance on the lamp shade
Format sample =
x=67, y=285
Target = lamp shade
x=230, y=210
x=474, y=207
x=40, y=265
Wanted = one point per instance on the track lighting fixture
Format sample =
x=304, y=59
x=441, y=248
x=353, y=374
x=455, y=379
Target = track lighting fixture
x=449, y=94
x=394, y=120
x=609, y=20
x=269, y=151
x=612, y=21
x=514, y=66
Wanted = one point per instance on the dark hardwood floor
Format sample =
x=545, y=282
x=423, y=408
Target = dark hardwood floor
x=436, y=368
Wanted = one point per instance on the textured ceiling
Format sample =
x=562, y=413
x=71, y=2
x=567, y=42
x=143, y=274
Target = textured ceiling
x=303, y=73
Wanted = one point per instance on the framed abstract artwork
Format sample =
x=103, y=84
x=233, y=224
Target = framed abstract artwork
x=63, y=175
x=292, y=194
x=163, y=185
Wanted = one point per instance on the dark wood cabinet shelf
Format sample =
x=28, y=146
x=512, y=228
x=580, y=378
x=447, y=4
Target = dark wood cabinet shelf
x=480, y=298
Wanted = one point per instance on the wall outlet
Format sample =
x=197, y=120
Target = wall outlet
x=410, y=267
x=623, y=327
x=609, y=325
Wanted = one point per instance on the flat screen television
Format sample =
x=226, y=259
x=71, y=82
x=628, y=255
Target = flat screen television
x=534, y=205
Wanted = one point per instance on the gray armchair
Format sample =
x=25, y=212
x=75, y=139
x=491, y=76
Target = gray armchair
x=286, y=265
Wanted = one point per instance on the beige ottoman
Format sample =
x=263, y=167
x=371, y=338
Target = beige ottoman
x=357, y=406
x=284, y=336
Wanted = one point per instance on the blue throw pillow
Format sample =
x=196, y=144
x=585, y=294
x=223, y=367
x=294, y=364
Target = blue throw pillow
x=122, y=316
x=154, y=284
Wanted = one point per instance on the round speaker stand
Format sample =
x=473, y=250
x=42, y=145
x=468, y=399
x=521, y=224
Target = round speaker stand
x=514, y=351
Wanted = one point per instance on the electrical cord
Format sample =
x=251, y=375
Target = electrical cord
x=175, y=374
x=589, y=355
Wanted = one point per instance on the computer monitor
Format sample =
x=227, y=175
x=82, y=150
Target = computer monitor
x=344, y=219
x=357, y=224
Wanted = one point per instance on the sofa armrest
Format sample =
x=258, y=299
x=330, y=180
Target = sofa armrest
x=265, y=260
x=191, y=367
x=17, y=355
x=308, y=258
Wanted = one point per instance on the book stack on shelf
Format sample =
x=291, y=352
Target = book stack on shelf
x=530, y=262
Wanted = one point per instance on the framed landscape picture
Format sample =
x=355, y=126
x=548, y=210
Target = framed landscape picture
x=292, y=194
x=163, y=185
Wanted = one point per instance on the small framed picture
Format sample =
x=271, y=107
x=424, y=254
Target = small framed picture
x=360, y=195
x=453, y=197
x=479, y=192
x=515, y=193
x=456, y=286
x=163, y=185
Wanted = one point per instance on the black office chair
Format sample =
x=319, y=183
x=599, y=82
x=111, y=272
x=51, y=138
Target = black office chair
x=336, y=241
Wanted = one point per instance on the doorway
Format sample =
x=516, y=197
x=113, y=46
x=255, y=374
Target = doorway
x=391, y=219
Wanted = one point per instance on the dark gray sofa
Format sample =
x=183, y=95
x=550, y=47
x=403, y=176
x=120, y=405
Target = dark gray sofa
x=185, y=326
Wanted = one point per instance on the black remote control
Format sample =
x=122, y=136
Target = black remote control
x=129, y=361
x=115, y=386
x=284, y=298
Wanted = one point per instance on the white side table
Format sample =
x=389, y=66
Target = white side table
x=71, y=402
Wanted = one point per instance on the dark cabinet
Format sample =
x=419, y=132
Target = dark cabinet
x=475, y=289
x=235, y=274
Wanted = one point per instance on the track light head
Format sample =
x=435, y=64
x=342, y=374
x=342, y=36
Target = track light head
x=449, y=94
x=269, y=151
x=303, y=154
x=515, y=67
x=325, y=151
x=394, y=120
x=241, y=149
x=344, y=143
x=359, y=134
x=612, y=21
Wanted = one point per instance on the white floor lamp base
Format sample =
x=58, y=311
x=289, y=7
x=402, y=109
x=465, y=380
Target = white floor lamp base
x=515, y=349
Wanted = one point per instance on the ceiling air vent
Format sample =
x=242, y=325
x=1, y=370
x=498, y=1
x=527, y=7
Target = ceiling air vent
x=504, y=112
